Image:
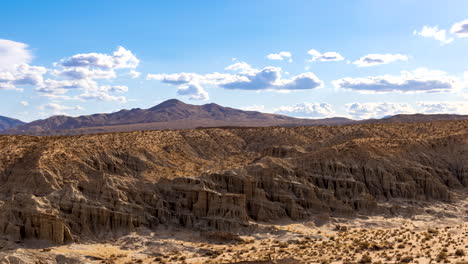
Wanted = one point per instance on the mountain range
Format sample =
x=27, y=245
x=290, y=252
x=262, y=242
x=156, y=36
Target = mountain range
x=175, y=114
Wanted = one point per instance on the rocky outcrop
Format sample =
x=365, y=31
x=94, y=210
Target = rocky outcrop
x=65, y=189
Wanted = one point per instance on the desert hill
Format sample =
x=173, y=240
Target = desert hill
x=74, y=188
x=171, y=114
x=7, y=123
x=175, y=114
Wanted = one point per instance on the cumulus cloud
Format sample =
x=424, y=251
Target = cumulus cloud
x=120, y=59
x=435, y=33
x=82, y=72
x=58, y=109
x=115, y=88
x=194, y=90
x=13, y=53
x=103, y=93
x=378, y=110
x=101, y=96
x=280, y=56
x=327, y=56
x=269, y=78
x=242, y=68
x=444, y=107
x=245, y=77
x=175, y=78
x=460, y=29
x=420, y=80
x=24, y=103
x=307, y=110
x=91, y=90
x=257, y=108
x=21, y=74
x=379, y=59
x=57, y=88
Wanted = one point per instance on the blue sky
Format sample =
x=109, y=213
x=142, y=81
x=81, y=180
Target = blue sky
x=315, y=59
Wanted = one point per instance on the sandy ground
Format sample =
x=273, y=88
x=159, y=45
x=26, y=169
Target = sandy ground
x=438, y=237
x=371, y=240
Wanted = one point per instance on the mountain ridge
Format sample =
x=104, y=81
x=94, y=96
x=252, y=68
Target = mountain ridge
x=8, y=122
x=170, y=114
x=175, y=114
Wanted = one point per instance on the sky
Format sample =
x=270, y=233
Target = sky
x=312, y=59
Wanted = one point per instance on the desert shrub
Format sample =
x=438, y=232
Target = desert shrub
x=406, y=259
x=441, y=256
x=362, y=244
x=365, y=259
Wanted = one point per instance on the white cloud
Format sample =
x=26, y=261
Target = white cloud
x=280, y=56
x=269, y=78
x=53, y=88
x=101, y=96
x=13, y=53
x=189, y=84
x=102, y=93
x=245, y=78
x=134, y=74
x=84, y=73
x=327, y=56
x=420, y=80
x=257, y=108
x=435, y=33
x=91, y=90
x=378, y=110
x=120, y=59
x=175, y=78
x=115, y=88
x=242, y=68
x=460, y=29
x=194, y=90
x=24, y=103
x=58, y=109
x=21, y=74
x=460, y=108
x=307, y=110
x=378, y=59
x=81, y=72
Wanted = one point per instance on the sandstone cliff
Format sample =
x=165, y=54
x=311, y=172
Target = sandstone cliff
x=65, y=189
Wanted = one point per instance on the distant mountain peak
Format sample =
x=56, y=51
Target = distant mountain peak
x=7, y=123
x=168, y=103
x=175, y=114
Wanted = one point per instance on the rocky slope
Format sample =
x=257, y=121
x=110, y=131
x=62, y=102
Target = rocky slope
x=7, y=123
x=72, y=188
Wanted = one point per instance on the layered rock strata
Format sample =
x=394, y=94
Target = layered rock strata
x=64, y=189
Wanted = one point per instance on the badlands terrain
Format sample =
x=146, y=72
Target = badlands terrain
x=361, y=193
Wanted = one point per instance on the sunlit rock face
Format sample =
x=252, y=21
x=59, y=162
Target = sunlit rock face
x=65, y=189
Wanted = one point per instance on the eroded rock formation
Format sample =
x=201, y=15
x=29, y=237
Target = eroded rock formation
x=70, y=188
